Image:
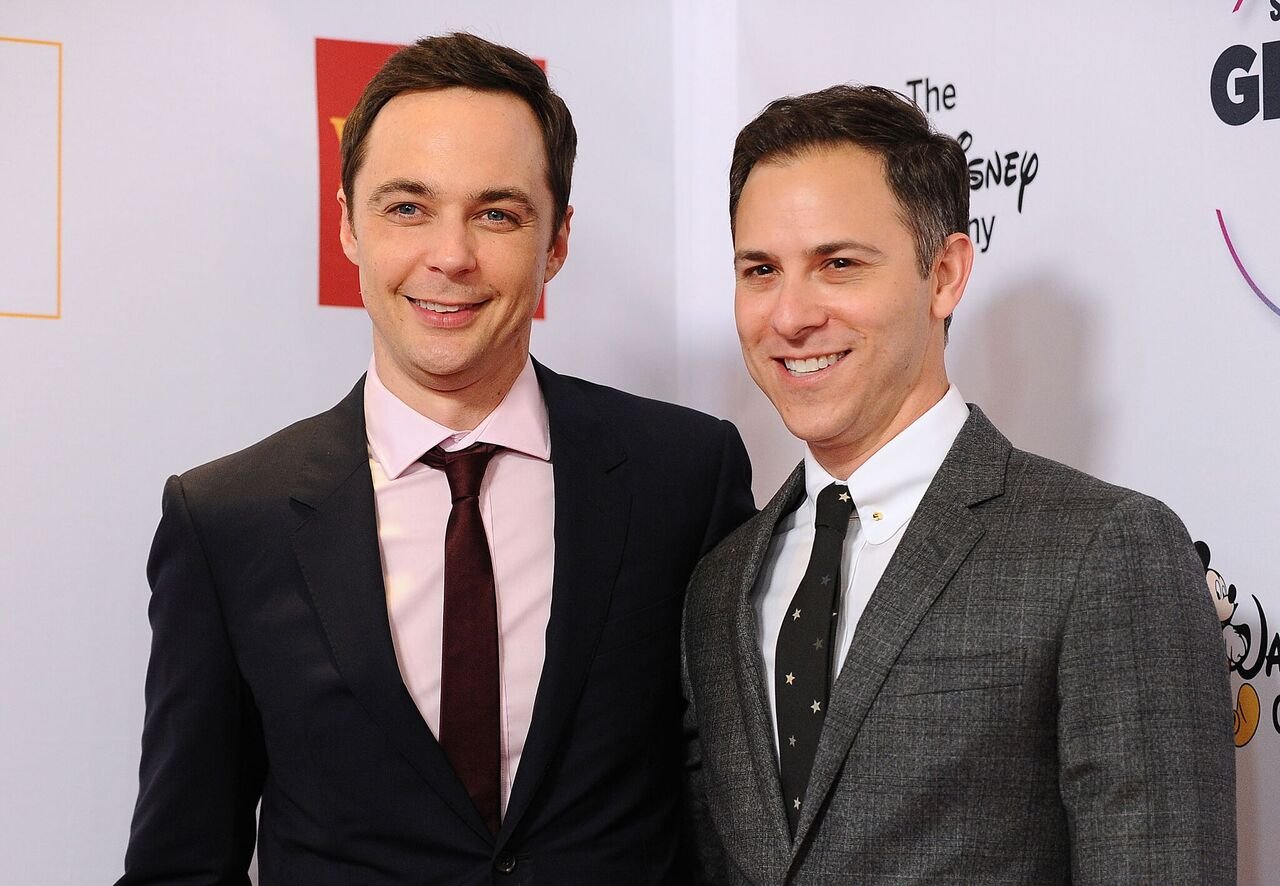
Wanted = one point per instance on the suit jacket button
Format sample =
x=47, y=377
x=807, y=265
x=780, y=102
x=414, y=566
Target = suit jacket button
x=506, y=863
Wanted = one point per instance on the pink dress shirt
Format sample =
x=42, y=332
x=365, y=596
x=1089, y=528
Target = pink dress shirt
x=517, y=505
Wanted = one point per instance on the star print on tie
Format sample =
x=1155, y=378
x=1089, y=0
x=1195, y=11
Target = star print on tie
x=803, y=656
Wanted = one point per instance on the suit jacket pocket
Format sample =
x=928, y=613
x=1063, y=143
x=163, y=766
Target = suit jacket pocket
x=928, y=675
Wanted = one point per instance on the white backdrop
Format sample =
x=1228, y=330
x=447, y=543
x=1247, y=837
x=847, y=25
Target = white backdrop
x=1107, y=323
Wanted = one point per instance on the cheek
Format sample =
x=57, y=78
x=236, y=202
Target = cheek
x=749, y=318
x=368, y=282
x=393, y=271
x=904, y=327
x=511, y=272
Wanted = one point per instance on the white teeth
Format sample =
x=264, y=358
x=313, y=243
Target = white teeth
x=438, y=308
x=812, y=364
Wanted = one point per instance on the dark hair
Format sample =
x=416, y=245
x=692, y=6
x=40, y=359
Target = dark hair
x=925, y=169
x=472, y=62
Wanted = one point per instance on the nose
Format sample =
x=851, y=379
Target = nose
x=450, y=248
x=796, y=310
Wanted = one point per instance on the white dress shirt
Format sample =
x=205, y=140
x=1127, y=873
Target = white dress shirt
x=886, y=490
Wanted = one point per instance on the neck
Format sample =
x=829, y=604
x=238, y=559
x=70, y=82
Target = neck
x=841, y=459
x=459, y=409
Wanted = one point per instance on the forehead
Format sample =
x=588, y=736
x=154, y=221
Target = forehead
x=831, y=192
x=455, y=137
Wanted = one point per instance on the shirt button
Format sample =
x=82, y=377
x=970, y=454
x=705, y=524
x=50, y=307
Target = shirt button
x=505, y=864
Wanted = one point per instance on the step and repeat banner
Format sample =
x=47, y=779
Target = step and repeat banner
x=171, y=289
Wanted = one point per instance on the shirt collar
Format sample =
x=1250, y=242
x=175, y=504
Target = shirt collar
x=398, y=435
x=888, y=487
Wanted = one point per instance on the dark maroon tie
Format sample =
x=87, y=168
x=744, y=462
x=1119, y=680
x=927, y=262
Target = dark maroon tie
x=469, y=712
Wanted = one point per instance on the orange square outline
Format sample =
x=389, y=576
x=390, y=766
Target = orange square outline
x=58, y=242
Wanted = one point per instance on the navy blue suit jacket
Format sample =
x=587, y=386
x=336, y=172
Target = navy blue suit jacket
x=273, y=677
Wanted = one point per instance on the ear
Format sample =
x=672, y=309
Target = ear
x=951, y=274
x=346, y=233
x=1203, y=550
x=559, y=249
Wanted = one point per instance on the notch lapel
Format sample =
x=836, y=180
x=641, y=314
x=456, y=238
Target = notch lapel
x=336, y=545
x=938, y=539
x=592, y=512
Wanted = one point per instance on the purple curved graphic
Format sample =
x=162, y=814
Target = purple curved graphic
x=1239, y=3
x=1240, y=265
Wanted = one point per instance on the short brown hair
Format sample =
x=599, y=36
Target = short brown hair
x=472, y=62
x=925, y=169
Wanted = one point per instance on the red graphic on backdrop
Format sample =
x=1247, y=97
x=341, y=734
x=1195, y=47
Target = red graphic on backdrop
x=343, y=67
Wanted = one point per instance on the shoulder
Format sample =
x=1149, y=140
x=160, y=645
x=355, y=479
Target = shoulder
x=1052, y=487
x=651, y=425
x=999, y=477
x=1056, y=507
x=1037, y=477
x=687, y=472
x=628, y=407
x=1087, y=543
x=735, y=552
x=262, y=468
x=747, y=546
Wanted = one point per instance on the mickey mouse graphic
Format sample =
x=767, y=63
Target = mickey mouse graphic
x=1237, y=639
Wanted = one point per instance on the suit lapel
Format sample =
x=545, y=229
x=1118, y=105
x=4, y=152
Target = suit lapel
x=592, y=510
x=748, y=668
x=937, y=540
x=337, y=549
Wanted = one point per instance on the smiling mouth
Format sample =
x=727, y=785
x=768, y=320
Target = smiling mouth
x=437, y=307
x=810, y=365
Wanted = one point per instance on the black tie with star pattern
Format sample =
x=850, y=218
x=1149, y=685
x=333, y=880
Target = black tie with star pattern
x=802, y=666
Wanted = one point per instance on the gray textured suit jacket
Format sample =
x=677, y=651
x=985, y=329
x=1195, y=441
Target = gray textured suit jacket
x=1036, y=693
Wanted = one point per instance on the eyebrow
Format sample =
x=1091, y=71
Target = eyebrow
x=752, y=255
x=415, y=188
x=819, y=251
x=506, y=195
x=400, y=186
x=825, y=249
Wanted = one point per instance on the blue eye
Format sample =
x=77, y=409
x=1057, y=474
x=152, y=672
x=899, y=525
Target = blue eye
x=496, y=215
x=404, y=209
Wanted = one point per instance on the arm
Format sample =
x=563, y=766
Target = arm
x=203, y=760
x=733, y=503
x=1147, y=763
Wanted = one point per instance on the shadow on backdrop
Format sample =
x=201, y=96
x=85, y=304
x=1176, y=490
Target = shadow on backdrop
x=1022, y=354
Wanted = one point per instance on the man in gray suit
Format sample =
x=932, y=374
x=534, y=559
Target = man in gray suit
x=932, y=657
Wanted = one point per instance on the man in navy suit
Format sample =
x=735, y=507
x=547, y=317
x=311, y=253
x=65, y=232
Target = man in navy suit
x=308, y=649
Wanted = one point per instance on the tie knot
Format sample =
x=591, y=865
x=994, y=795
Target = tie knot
x=835, y=505
x=463, y=468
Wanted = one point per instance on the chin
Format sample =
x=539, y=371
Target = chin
x=810, y=428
